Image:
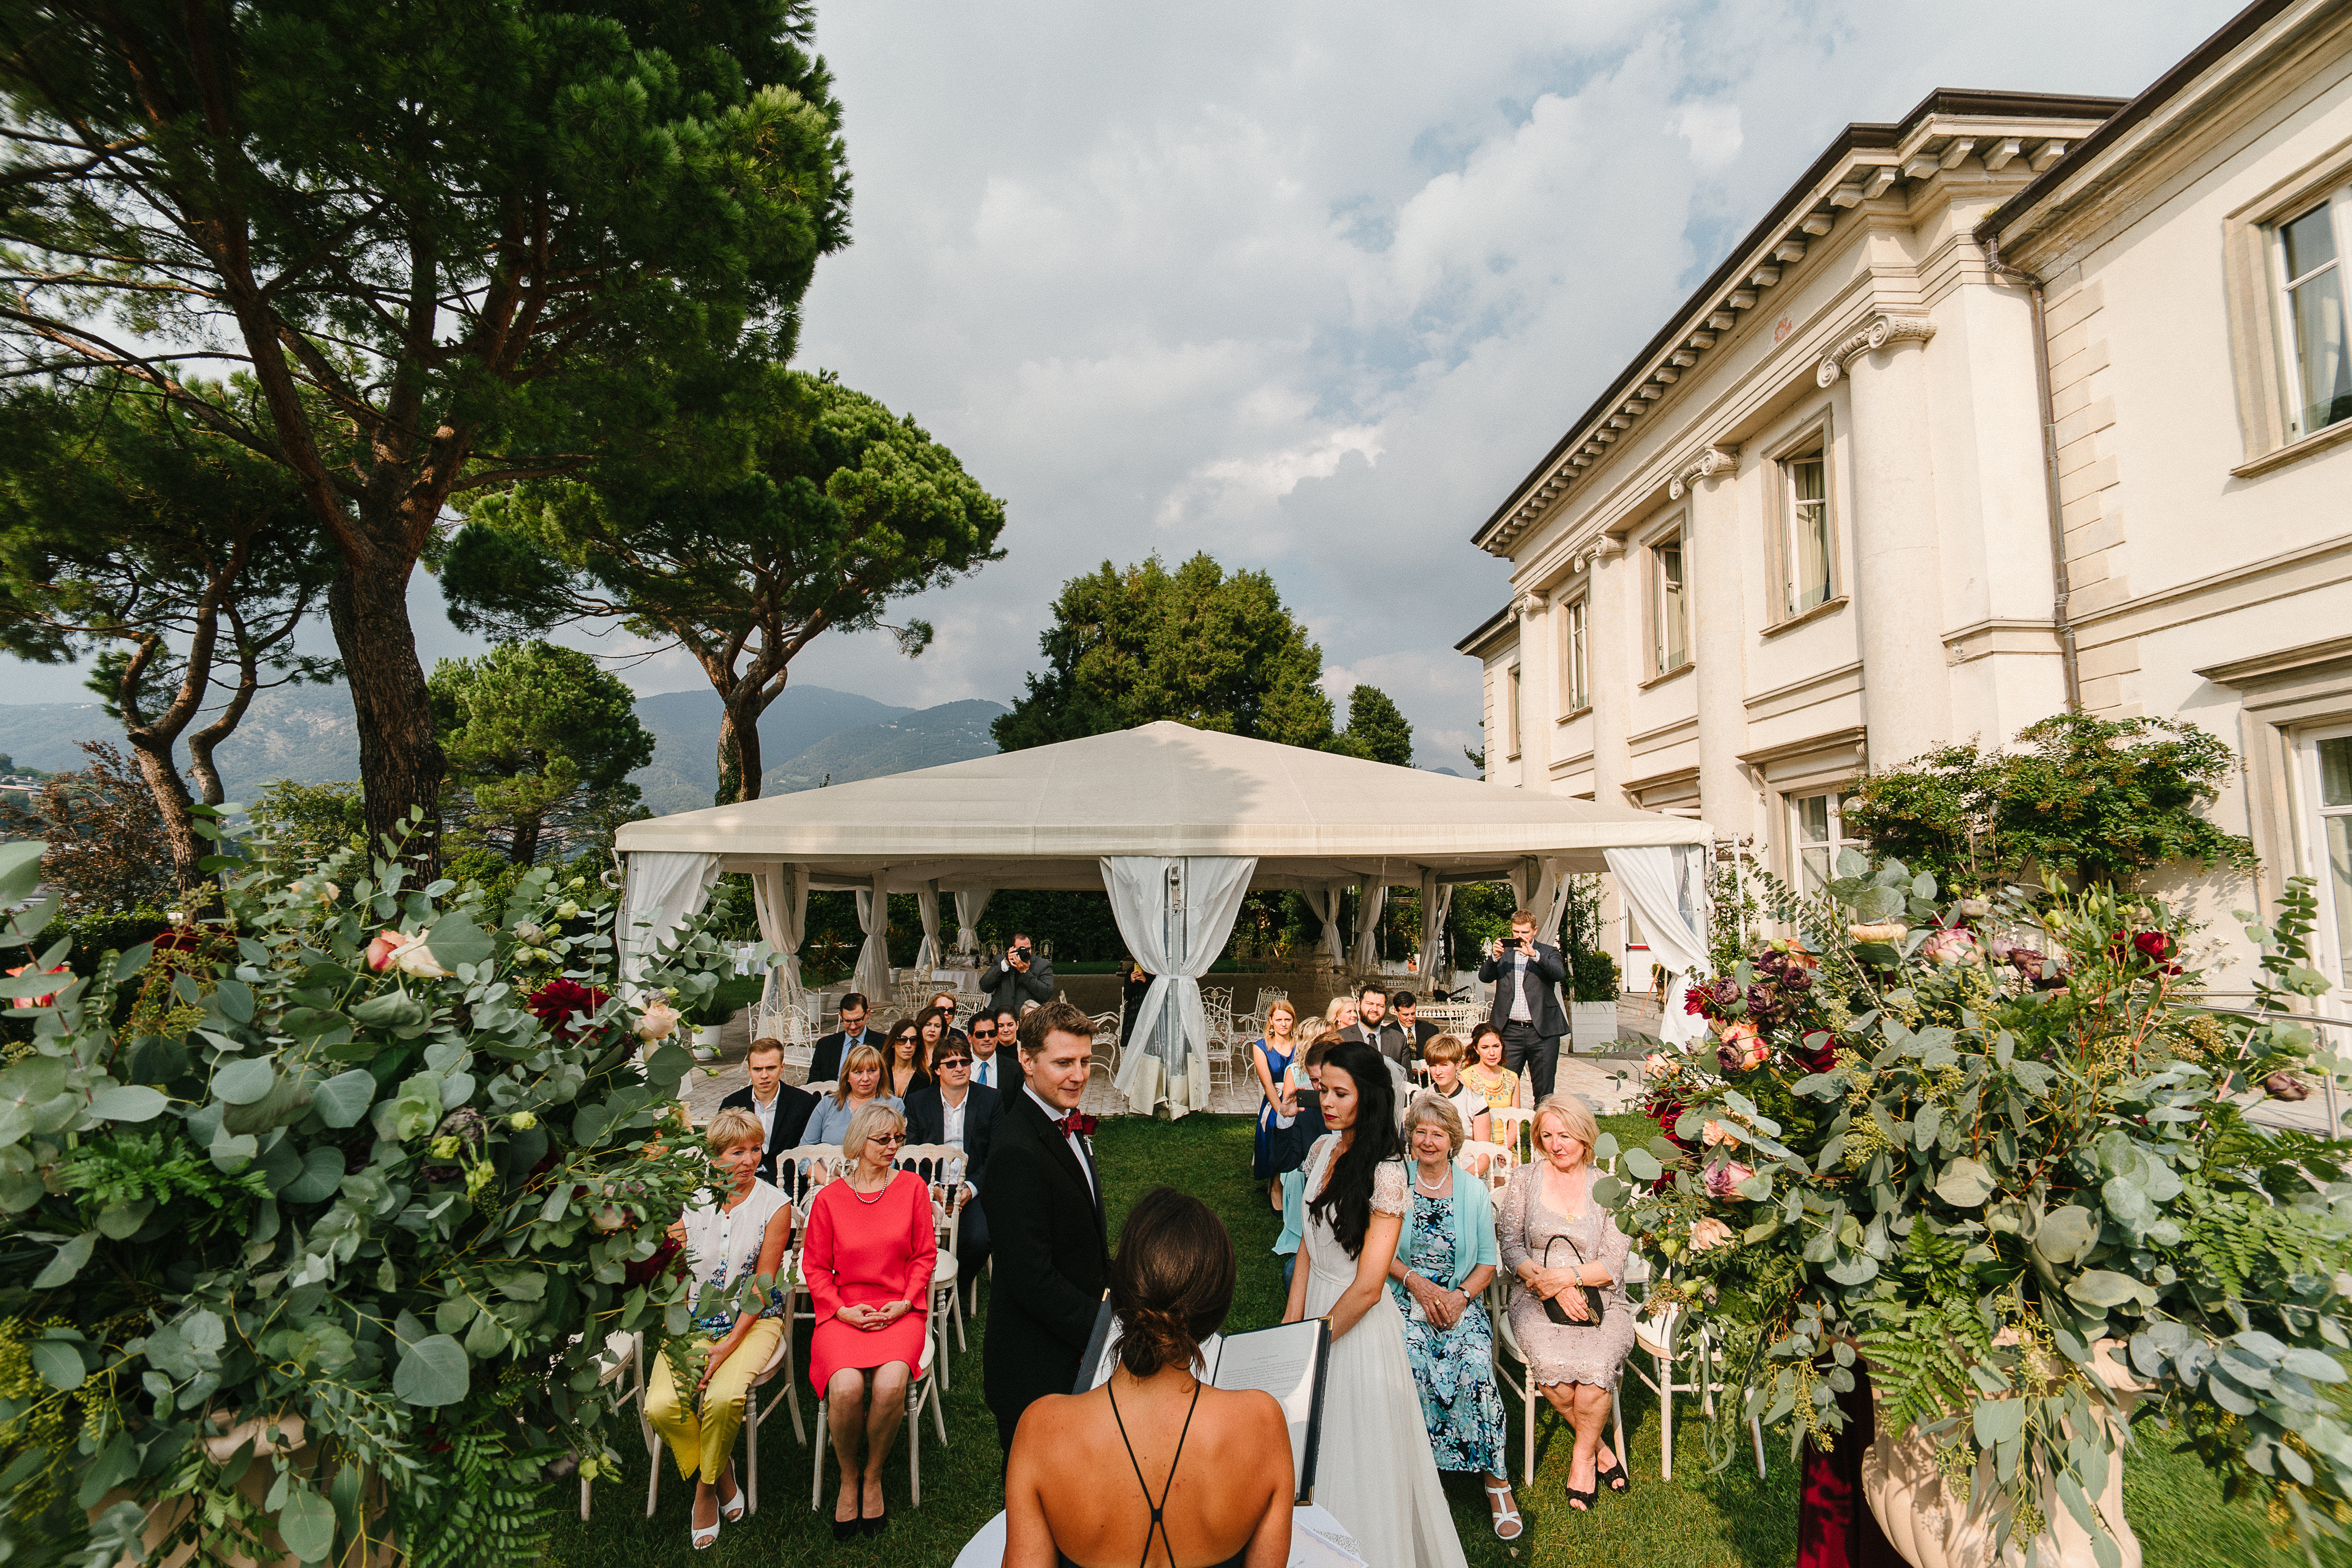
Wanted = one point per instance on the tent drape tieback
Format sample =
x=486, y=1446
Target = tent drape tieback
x=1174, y=914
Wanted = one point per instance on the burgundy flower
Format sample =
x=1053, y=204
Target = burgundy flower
x=565, y=1007
x=1817, y=1052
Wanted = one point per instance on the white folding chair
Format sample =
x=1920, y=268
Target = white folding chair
x=921, y=1389
x=943, y=1166
x=1659, y=1336
x=1499, y=1161
x=1523, y=1384
x=620, y=1361
x=1516, y=1127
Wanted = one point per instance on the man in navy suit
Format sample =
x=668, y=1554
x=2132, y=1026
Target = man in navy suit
x=956, y=1112
x=825, y=1063
x=782, y=1110
x=1526, y=976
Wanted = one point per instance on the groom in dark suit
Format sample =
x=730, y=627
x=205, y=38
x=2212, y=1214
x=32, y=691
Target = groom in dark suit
x=1045, y=1207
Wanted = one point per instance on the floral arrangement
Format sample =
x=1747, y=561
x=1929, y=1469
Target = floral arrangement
x=1977, y=1144
x=314, y=1221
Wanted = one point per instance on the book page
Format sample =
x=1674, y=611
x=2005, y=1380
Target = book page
x=1285, y=1361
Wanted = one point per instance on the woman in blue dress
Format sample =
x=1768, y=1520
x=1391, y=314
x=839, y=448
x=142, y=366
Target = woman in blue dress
x=1444, y=1260
x=1271, y=1057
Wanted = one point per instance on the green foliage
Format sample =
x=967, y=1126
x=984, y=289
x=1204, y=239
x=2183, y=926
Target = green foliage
x=2097, y=800
x=1204, y=647
x=1985, y=1161
x=540, y=740
x=393, y=1194
x=1376, y=729
x=317, y=818
x=108, y=850
x=842, y=507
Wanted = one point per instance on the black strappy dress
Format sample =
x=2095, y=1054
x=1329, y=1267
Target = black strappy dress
x=1159, y=1525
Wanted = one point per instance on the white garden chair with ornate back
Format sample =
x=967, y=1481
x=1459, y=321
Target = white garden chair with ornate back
x=943, y=1166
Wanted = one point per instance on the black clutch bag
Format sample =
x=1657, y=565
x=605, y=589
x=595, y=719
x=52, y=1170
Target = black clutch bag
x=1594, y=1301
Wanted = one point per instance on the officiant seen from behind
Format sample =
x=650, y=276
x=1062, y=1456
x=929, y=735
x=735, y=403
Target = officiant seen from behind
x=1211, y=1468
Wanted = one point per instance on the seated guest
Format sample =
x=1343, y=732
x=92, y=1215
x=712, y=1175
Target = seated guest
x=989, y=1032
x=860, y=1085
x=1418, y=1031
x=1374, y=1028
x=832, y=1050
x=1554, y=1238
x=1134, y=984
x=1445, y=1258
x=1445, y=1054
x=1497, y=1085
x=728, y=1243
x=783, y=1111
x=959, y=1113
x=1339, y=1016
x=944, y=1003
x=1172, y=1285
x=867, y=1262
x=906, y=1052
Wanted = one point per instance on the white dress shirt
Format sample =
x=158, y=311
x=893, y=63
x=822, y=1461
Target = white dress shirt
x=951, y=1118
x=766, y=1109
x=1077, y=1144
x=1519, y=1014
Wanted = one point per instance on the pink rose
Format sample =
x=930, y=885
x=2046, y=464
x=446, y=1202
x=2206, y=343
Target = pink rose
x=1743, y=1049
x=1716, y=1132
x=387, y=942
x=1723, y=1181
x=1709, y=1232
x=657, y=1022
x=1950, y=946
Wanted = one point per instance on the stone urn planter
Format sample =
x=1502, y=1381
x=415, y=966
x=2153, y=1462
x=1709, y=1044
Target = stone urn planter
x=1591, y=1026
x=1929, y=1523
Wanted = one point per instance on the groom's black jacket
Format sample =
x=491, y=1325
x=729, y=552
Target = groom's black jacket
x=1052, y=1257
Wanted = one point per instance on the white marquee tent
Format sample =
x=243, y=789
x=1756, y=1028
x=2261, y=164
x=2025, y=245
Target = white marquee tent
x=1177, y=825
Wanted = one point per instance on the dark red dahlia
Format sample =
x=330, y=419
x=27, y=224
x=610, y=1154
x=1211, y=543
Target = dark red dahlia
x=565, y=1007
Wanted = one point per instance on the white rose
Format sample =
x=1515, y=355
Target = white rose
x=659, y=1021
x=416, y=958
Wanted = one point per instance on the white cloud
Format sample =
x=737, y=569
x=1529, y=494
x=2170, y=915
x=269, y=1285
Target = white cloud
x=1713, y=131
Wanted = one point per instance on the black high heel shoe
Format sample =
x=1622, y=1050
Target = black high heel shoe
x=876, y=1523
x=1583, y=1501
x=842, y=1529
x=1614, y=1478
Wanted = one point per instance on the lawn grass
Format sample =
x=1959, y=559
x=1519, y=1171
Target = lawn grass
x=1696, y=1520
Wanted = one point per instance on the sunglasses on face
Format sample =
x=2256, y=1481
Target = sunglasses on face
x=889, y=1139
x=948, y=1062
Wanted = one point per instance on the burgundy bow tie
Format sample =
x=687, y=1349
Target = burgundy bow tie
x=1077, y=1122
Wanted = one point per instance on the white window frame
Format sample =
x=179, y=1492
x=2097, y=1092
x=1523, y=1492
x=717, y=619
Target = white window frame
x=1674, y=538
x=2338, y=204
x=1799, y=845
x=1791, y=535
x=2332, y=938
x=1575, y=669
x=1511, y=711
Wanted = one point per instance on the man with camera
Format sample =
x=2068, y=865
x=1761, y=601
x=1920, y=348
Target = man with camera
x=1021, y=975
x=1526, y=976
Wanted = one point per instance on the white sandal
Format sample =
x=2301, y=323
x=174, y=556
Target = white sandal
x=732, y=1512
x=701, y=1537
x=1510, y=1514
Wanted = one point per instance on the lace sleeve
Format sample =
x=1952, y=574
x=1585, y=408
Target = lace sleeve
x=1387, y=1187
x=1511, y=1221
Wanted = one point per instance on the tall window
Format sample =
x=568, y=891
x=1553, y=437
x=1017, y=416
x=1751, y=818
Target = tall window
x=1818, y=829
x=2335, y=798
x=1805, y=539
x=1573, y=692
x=1511, y=712
x=2319, y=370
x=1670, y=569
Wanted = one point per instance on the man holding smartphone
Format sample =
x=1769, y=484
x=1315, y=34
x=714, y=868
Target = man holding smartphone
x=1021, y=975
x=1526, y=976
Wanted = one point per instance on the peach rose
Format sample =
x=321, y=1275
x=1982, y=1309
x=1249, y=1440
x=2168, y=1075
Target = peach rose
x=1952, y=945
x=379, y=951
x=1709, y=1232
x=413, y=958
x=659, y=1021
x=1882, y=931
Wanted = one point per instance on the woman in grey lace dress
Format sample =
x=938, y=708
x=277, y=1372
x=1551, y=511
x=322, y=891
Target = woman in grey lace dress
x=1554, y=1235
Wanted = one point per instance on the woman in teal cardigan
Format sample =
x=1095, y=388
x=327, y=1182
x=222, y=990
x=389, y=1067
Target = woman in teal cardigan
x=1444, y=1260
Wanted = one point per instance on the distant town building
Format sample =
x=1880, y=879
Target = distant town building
x=1813, y=526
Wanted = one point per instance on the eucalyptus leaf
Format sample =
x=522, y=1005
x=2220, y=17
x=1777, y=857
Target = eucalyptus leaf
x=455, y=938
x=344, y=1099
x=307, y=1524
x=1965, y=1184
x=432, y=1371
x=128, y=1102
x=60, y=1363
x=321, y=1176
x=2066, y=1234
x=245, y=1081
x=69, y=1261
x=2103, y=1287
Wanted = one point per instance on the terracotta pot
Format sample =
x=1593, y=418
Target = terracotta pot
x=1931, y=1527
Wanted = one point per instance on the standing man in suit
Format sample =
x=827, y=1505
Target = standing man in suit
x=1374, y=1028
x=1526, y=976
x=1019, y=976
x=994, y=1063
x=1044, y=1205
x=825, y=1065
x=782, y=1110
x=954, y=1110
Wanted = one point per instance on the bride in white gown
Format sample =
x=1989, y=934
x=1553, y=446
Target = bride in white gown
x=1374, y=1470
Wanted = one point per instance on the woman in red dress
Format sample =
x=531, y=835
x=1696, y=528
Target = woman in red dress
x=868, y=1258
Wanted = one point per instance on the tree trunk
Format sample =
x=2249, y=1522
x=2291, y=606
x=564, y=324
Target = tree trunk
x=522, y=848
x=172, y=802
x=400, y=759
x=740, y=763
x=201, y=743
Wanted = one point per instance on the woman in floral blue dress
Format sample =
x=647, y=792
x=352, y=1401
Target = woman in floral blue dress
x=1444, y=1260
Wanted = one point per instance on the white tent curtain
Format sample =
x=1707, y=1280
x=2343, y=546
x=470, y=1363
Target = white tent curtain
x=1371, y=898
x=970, y=905
x=1435, y=901
x=1323, y=902
x=1174, y=914
x=873, y=972
x=927, y=907
x=1662, y=884
x=780, y=897
x=665, y=888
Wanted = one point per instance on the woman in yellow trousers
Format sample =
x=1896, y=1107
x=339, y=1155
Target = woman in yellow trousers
x=729, y=1242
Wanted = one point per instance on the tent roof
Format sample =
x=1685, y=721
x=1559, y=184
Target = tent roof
x=1041, y=818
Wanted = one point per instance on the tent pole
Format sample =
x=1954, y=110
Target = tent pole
x=1172, y=943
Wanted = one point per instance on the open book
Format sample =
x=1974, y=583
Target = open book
x=1287, y=1361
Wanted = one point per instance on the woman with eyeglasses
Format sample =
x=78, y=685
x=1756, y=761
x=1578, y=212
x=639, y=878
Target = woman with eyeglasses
x=867, y=1261
x=907, y=1050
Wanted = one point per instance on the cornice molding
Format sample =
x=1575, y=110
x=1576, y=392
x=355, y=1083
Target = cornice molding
x=1881, y=331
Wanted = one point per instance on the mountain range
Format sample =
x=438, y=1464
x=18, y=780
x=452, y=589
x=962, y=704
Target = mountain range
x=810, y=734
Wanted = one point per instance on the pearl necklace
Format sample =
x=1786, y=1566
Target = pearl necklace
x=1431, y=1189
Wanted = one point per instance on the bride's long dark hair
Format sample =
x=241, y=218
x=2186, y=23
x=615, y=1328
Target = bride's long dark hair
x=1345, y=1201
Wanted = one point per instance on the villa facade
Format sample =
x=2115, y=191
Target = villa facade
x=2021, y=399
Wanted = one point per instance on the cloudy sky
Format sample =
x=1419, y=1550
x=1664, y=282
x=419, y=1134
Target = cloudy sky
x=1309, y=285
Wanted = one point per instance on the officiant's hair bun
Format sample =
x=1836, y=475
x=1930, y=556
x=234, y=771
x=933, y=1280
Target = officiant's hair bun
x=1172, y=1282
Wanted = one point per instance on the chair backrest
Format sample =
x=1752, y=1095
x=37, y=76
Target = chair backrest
x=1499, y=1161
x=823, y=1086
x=805, y=1167
x=1266, y=994
x=1515, y=1127
x=942, y=1165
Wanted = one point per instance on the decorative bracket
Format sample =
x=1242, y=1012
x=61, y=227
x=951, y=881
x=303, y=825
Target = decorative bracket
x=1881, y=330
x=1719, y=458
x=1526, y=604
